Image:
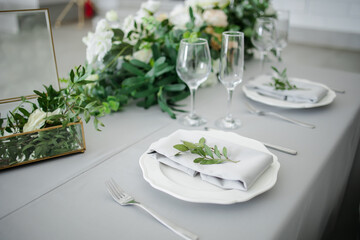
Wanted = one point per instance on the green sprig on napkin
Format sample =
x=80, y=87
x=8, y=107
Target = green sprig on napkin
x=281, y=82
x=208, y=155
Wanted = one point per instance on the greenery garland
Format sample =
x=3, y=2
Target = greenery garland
x=156, y=82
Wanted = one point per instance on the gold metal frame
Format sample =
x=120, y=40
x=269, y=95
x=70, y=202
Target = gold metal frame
x=32, y=96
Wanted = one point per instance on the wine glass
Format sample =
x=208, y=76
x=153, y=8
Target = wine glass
x=264, y=36
x=231, y=72
x=193, y=66
x=282, y=30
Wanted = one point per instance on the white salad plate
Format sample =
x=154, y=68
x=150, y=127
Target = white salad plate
x=193, y=189
x=254, y=95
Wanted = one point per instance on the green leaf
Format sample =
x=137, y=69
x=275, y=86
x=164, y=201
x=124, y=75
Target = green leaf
x=114, y=105
x=140, y=64
x=132, y=69
x=189, y=144
x=217, y=152
x=175, y=87
x=202, y=141
x=208, y=151
x=198, y=160
x=118, y=34
x=72, y=75
x=145, y=93
x=181, y=147
x=225, y=152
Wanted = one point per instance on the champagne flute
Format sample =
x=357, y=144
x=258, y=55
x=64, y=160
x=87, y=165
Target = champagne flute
x=231, y=72
x=282, y=30
x=264, y=36
x=193, y=66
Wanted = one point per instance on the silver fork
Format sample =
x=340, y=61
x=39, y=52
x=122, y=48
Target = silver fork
x=124, y=199
x=254, y=110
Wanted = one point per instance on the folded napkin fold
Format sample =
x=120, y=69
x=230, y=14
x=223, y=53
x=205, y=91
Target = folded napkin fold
x=241, y=175
x=306, y=91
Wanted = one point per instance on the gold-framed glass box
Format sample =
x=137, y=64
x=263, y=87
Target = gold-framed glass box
x=27, y=62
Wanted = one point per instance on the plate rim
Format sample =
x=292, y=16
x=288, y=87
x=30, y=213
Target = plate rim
x=239, y=196
x=328, y=99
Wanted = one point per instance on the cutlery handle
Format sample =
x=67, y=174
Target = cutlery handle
x=338, y=90
x=291, y=120
x=280, y=148
x=172, y=226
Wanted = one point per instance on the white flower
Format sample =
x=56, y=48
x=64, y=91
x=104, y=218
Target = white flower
x=207, y=4
x=111, y=16
x=150, y=6
x=128, y=24
x=37, y=119
x=102, y=26
x=215, y=17
x=179, y=16
x=143, y=55
x=98, y=43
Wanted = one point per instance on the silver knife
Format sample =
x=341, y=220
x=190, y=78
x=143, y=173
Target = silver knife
x=269, y=145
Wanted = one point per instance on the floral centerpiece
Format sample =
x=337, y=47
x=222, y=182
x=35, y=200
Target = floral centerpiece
x=135, y=59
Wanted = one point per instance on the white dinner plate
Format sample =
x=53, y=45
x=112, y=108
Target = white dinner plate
x=193, y=189
x=254, y=95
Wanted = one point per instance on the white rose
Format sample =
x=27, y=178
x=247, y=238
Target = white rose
x=102, y=26
x=151, y=6
x=98, y=45
x=179, y=16
x=128, y=24
x=207, y=4
x=215, y=17
x=142, y=13
x=111, y=16
x=37, y=119
x=143, y=55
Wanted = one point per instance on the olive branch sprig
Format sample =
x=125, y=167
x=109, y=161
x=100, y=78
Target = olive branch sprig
x=208, y=155
x=281, y=82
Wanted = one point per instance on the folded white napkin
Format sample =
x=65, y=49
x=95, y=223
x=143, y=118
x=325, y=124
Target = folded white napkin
x=306, y=92
x=241, y=175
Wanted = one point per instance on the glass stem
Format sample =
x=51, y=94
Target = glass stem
x=262, y=58
x=278, y=53
x=192, y=103
x=229, y=117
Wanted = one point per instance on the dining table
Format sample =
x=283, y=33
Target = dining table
x=66, y=197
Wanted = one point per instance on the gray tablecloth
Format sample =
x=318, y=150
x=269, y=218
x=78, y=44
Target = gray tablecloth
x=65, y=198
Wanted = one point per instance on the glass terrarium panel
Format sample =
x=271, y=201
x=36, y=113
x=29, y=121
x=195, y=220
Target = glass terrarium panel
x=42, y=144
x=27, y=59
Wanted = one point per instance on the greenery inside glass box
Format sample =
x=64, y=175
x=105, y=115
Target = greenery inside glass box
x=44, y=128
